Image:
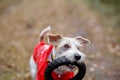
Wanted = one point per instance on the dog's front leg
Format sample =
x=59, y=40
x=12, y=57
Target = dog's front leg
x=33, y=68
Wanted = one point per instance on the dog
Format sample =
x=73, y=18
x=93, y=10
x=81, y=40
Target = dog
x=62, y=46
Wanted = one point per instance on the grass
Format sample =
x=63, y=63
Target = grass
x=7, y=76
x=4, y=4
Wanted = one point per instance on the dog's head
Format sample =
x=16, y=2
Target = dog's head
x=68, y=47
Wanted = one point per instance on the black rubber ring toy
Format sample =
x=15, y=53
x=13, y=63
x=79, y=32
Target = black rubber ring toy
x=63, y=61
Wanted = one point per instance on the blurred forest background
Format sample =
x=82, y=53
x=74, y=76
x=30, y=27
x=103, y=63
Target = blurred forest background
x=98, y=20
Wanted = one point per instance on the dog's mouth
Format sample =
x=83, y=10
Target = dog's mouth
x=71, y=66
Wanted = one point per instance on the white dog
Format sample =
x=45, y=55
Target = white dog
x=63, y=46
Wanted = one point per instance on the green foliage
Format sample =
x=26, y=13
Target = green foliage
x=118, y=40
x=1, y=0
x=110, y=10
x=109, y=7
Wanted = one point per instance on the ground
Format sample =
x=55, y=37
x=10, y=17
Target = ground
x=21, y=22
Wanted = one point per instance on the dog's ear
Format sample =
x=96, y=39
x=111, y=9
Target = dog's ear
x=82, y=41
x=54, y=38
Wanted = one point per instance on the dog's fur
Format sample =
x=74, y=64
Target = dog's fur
x=63, y=46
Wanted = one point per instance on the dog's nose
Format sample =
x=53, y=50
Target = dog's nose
x=77, y=57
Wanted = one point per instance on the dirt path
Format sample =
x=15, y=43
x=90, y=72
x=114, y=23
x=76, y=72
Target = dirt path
x=20, y=26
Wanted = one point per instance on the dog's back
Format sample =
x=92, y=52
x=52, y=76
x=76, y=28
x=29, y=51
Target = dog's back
x=33, y=65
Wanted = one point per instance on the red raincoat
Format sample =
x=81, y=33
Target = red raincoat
x=40, y=55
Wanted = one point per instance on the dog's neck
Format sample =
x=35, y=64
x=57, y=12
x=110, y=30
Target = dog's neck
x=51, y=57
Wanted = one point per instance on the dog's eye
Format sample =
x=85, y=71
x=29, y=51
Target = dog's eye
x=66, y=46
